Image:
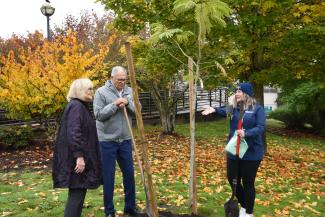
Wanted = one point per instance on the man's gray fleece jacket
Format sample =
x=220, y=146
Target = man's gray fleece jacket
x=110, y=120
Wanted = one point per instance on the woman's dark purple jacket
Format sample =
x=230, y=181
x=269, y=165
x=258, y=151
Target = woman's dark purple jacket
x=77, y=137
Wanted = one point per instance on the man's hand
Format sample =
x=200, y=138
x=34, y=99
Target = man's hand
x=121, y=102
x=208, y=110
x=80, y=165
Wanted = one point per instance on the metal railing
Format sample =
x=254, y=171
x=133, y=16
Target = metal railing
x=215, y=98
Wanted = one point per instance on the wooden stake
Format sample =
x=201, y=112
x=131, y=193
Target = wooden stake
x=152, y=210
x=192, y=99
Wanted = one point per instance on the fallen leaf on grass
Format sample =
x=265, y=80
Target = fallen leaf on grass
x=6, y=214
x=23, y=201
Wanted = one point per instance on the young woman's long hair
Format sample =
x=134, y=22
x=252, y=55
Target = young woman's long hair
x=249, y=102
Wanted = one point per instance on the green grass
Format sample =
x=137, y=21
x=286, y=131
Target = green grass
x=205, y=129
x=289, y=182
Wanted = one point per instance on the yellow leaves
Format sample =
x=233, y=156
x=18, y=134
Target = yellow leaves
x=37, y=83
x=219, y=189
x=263, y=203
x=180, y=200
x=207, y=190
x=267, y=6
x=303, y=204
x=5, y=193
x=309, y=12
x=31, y=209
x=23, y=201
x=41, y=194
x=307, y=19
x=303, y=8
x=296, y=14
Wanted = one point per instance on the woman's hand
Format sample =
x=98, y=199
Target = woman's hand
x=241, y=133
x=208, y=110
x=80, y=165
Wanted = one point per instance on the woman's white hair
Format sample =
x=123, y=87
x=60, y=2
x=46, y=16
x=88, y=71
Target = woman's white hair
x=116, y=69
x=78, y=89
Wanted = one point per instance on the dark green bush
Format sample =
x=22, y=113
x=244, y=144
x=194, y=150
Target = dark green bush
x=289, y=117
x=13, y=137
x=303, y=104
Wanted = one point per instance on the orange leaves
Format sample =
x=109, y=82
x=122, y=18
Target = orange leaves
x=309, y=12
x=291, y=173
x=35, y=84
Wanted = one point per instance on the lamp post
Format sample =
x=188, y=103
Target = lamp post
x=48, y=10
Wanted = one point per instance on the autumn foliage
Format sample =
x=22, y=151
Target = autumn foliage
x=34, y=81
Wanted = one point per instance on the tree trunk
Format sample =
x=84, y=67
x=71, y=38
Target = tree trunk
x=166, y=109
x=256, y=67
x=167, y=119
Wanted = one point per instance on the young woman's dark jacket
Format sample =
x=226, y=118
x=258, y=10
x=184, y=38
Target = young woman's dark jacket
x=254, y=125
x=77, y=137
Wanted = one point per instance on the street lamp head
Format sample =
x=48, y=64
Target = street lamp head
x=47, y=9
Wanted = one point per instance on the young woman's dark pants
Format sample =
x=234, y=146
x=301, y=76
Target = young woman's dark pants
x=75, y=202
x=246, y=181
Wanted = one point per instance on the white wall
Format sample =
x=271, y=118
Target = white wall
x=270, y=96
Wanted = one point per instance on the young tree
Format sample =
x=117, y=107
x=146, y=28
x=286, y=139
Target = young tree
x=203, y=15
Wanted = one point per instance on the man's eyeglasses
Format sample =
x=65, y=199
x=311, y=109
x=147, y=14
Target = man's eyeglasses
x=121, y=80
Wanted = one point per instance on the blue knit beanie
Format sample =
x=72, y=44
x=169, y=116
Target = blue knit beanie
x=246, y=87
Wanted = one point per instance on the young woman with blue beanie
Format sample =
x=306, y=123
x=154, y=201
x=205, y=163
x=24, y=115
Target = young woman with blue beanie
x=253, y=126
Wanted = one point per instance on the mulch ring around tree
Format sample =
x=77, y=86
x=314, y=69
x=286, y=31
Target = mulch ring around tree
x=169, y=214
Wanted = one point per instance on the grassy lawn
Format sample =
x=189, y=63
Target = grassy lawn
x=290, y=181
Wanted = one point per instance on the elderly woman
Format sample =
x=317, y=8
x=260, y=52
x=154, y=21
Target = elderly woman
x=252, y=130
x=76, y=158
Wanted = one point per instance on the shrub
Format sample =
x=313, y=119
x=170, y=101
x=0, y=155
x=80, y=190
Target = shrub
x=303, y=104
x=13, y=137
x=289, y=117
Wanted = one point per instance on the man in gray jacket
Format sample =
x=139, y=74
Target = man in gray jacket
x=115, y=139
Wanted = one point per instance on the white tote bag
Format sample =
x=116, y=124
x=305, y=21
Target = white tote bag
x=231, y=146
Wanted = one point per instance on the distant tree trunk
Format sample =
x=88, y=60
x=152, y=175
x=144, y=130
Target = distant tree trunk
x=166, y=105
x=256, y=67
x=168, y=121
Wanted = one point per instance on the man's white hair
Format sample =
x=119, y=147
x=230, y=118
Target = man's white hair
x=117, y=69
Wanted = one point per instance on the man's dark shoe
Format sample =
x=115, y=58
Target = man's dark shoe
x=111, y=215
x=131, y=212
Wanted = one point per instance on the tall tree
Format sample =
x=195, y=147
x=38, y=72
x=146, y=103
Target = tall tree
x=264, y=39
